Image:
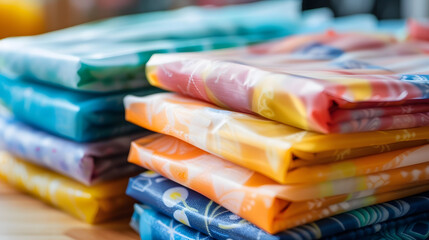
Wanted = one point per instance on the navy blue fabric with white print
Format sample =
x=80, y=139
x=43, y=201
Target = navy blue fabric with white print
x=186, y=214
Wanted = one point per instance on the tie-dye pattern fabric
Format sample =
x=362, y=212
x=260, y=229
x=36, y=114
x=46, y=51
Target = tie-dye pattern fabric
x=329, y=83
x=111, y=55
x=278, y=151
x=77, y=116
x=178, y=208
x=91, y=204
x=267, y=204
x=88, y=163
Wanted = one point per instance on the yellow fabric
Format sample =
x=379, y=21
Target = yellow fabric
x=274, y=149
x=91, y=204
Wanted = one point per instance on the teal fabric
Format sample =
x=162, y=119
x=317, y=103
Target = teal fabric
x=77, y=116
x=111, y=55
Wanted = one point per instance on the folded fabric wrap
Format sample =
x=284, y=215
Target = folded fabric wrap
x=88, y=163
x=269, y=205
x=181, y=213
x=91, y=204
x=110, y=55
x=280, y=152
x=328, y=83
x=77, y=116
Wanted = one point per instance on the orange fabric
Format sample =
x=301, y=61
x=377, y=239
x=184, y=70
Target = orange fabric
x=272, y=148
x=269, y=205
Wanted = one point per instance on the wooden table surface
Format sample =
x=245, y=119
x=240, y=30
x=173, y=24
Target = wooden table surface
x=23, y=217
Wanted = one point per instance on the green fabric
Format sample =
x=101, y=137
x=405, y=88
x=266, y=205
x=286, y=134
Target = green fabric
x=111, y=55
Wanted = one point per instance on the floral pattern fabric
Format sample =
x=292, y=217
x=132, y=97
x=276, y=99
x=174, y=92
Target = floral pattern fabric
x=95, y=204
x=110, y=55
x=269, y=205
x=329, y=83
x=280, y=152
x=179, y=213
x=77, y=116
x=88, y=163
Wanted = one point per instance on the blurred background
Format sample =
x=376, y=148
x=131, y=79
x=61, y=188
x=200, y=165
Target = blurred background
x=28, y=17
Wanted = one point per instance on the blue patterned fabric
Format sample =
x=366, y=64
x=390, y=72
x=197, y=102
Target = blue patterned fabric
x=200, y=213
x=418, y=230
x=77, y=116
x=156, y=226
x=153, y=225
x=191, y=208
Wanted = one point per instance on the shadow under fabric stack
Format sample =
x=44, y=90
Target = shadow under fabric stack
x=342, y=131
x=63, y=136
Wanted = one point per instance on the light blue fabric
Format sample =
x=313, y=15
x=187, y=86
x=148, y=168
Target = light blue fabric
x=318, y=21
x=398, y=27
x=77, y=116
x=152, y=225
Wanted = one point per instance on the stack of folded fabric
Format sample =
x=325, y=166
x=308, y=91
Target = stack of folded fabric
x=64, y=93
x=342, y=125
x=197, y=217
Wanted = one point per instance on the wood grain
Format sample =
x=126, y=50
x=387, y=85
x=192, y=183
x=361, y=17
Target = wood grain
x=23, y=217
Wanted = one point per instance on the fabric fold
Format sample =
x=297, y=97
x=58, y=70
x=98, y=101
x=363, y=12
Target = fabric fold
x=77, y=116
x=195, y=215
x=329, y=82
x=88, y=163
x=95, y=204
x=269, y=205
x=278, y=151
x=110, y=55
